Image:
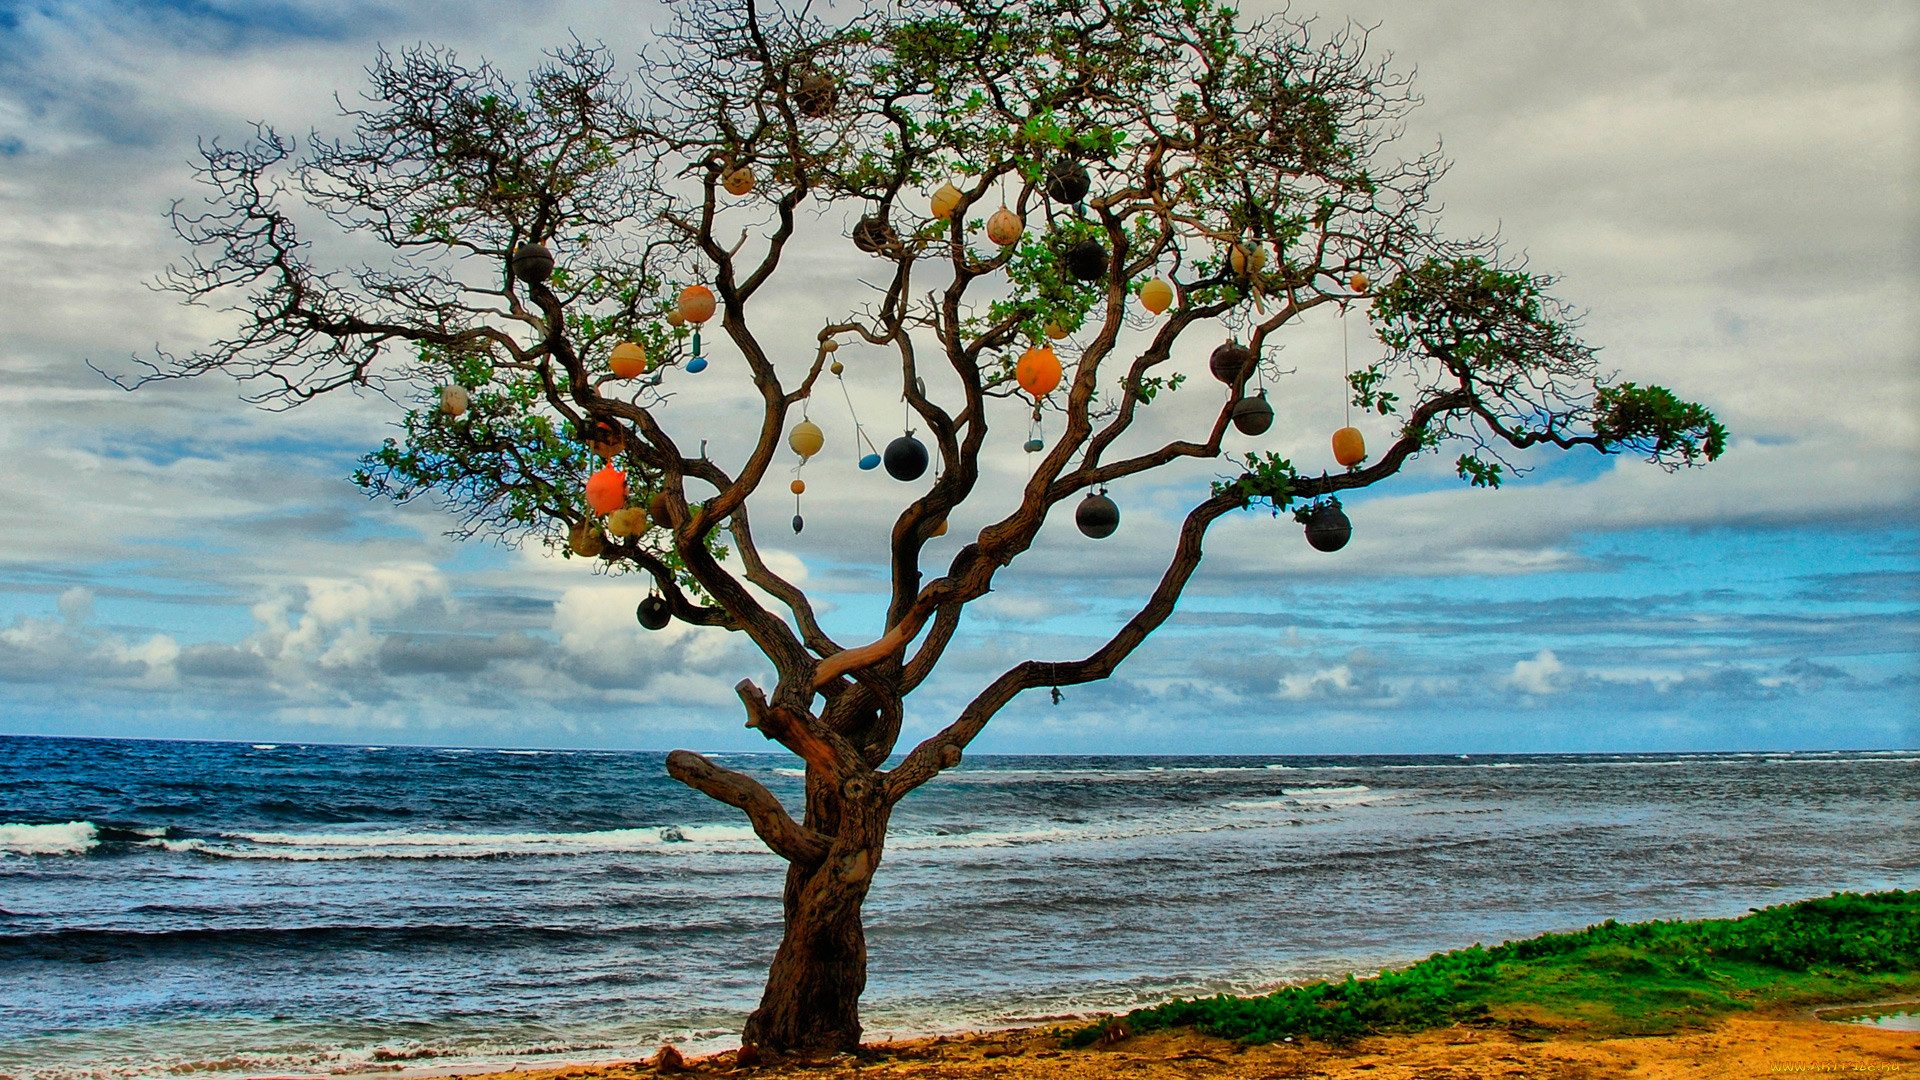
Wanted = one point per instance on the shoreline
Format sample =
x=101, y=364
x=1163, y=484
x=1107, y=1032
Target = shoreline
x=1742, y=1046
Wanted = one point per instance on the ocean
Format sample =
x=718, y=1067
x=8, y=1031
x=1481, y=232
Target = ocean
x=168, y=907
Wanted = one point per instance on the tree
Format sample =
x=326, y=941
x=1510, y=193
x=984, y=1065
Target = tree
x=1249, y=169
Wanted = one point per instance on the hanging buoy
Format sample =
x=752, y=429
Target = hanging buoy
x=654, y=613
x=606, y=438
x=873, y=236
x=816, y=94
x=675, y=319
x=631, y=521
x=1247, y=261
x=1156, y=295
x=629, y=360
x=1086, y=260
x=658, y=509
x=1231, y=363
x=946, y=201
x=1038, y=371
x=806, y=439
x=739, y=181
x=1055, y=331
x=585, y=540
x=938, y=530
x=837, y=367
x=1005, y=227
x=1067, y=181
x=1097, y=516
x=1034, y=446
x=1252, y=415
x=607, y=490
x=799, y=523
x=696, y=303
x=906, y=458
x=454, y=399
x=829, y=346
x=696, y=365
x=532, y=263
x=1359, y=282
x=798, y=487
x=1349, y=447
x=870, y=462
x=1328, y=528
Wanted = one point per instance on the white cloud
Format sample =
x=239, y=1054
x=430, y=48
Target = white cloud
x=1542, y=675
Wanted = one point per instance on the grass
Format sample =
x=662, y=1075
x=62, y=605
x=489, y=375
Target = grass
x=1611, y=979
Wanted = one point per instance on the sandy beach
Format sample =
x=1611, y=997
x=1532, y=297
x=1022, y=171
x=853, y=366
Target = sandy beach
x=1743, y=1047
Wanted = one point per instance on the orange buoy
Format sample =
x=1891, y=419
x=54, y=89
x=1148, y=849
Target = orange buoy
x=1038, y=371
x=675, y=319
x=946, y=201
x=1359, y=282
x=629, y=360
x=1005, y=227
x=739, y=181
x=696, y=303
x=1156, y=295
x=1349, y=447
x=798, y=487
x=607, y=490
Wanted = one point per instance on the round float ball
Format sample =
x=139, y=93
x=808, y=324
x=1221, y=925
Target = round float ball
x=1359, y=282
x=806, y=439
x=836, y=367
x=946, y=201
x=1247, y=260
x=585, y=539
x=675, y=319
x=1328, y=528
x=606, y=438
x=869, y=462
x=1067, y=181
x=816, y=94
x=830, y=346
x=696, y=365
x=1349, y=447
x=739, y=181
x=799, y=523
x=1156, y=295
x=629, y=360
x=532, y=263
x=607, y=490
x=1252, y=415
x=696, y=303
x=873, y=236
x=1005, y=227
x=1097, y=516
x=654, y=613
x=1231, y=363
x=1055, y=331
x=1087, y=260
x=658, y=507
x=1034, y=446
x=1038, y=371
x=798, y=487
x=454, y=400
x=906, y=458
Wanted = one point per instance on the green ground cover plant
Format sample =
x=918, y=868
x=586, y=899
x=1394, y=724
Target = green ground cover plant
x=1610, y=979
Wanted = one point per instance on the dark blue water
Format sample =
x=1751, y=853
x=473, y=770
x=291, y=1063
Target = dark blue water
x=325, y=908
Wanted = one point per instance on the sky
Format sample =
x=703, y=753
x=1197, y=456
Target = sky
x=1726, y=189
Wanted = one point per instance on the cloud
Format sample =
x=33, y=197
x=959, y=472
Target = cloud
x=1542, y=675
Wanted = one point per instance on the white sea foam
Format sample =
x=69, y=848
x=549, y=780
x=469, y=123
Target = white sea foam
x=403, y=844
x=266, y=746
x=72, y=838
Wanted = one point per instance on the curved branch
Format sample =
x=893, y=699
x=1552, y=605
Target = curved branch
x=788, y=838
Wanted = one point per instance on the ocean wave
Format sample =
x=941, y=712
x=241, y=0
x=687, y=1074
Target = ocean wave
x=70, y=838
x=413, y=844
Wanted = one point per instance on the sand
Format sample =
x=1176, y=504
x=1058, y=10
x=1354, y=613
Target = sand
x=1745, y=1047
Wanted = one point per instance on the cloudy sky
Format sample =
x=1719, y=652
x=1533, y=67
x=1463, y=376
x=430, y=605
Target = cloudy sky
x=1726, y=188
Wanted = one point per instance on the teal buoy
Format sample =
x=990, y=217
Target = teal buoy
x=870, y=462
x=1034, y=446
x=697, y=365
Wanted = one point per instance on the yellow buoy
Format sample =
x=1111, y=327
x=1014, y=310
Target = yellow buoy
x=675, y=319
x=946, y=201
x=1156, y=295
x=1005, y=227
x=739, y=181
x=806, y=439
x=1247, y=261
x=836, y=367
x=1349, y=447
x=585, y=539
x=629, y=360
x=1055, y=331
x=830, y=346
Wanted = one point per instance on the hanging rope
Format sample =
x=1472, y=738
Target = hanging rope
x=1346, y=367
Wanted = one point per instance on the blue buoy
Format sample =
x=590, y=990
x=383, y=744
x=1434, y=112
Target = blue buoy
x=871, y=461
x=1034, y=446
x=697, y=365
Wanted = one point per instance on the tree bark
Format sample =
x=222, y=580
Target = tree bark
x=812, y=999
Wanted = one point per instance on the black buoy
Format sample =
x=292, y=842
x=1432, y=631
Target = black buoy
x=874, y=235
x=799, y=523
x=1087, y=260
x=1252, y=415
x=654, y=614
x=531, y=263
x=1067, y=181
x=906, y=458
x=1328, y=528
x=1231, y=363
x=1097, y=516
x=816, y=94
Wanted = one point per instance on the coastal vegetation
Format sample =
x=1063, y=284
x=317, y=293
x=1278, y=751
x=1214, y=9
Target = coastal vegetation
x=1611, y=979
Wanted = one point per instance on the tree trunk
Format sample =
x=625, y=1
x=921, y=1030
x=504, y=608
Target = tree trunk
x=812, y=1000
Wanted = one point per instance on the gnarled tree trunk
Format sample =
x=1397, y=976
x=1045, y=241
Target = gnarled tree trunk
x=812, y=999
